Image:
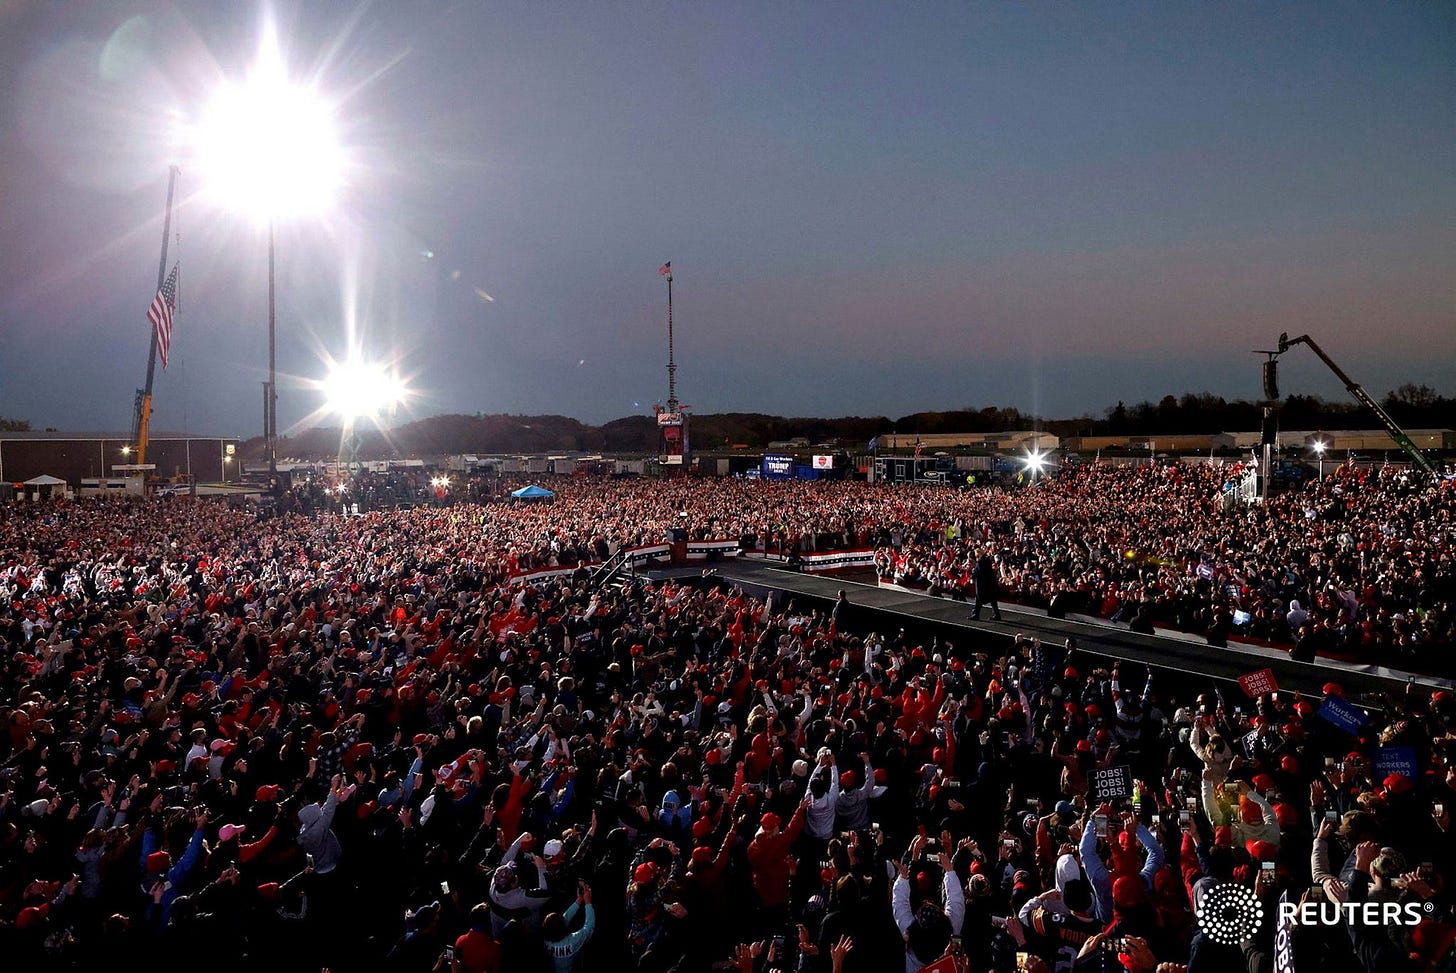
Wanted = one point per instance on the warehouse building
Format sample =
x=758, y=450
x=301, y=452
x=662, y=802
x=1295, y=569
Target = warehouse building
x=78, y=457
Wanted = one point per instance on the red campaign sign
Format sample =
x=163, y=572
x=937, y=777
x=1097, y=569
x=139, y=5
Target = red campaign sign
x=1256, y=684
x=946, y=964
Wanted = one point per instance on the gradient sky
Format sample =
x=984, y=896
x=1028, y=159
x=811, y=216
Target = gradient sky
x=870, y=208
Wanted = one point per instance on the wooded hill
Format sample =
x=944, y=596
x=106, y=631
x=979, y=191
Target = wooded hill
x=1412, y=406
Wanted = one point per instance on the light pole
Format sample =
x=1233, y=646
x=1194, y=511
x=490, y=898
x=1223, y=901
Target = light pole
x=267, y=147
x=1319, y=446
x=272, y=431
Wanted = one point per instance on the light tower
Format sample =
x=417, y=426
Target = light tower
x=672, y=419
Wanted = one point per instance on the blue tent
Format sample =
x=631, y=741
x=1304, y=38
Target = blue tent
x=532, y=492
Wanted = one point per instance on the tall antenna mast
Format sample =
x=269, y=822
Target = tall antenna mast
x=672, y=421
x=671, y=361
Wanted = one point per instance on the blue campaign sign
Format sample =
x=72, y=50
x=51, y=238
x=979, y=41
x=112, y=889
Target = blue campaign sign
x=1346, y=716
x=778, y=467
x=1396, y=760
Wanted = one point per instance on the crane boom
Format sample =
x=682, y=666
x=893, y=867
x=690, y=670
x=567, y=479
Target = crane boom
x=1363, y=397
x=142, y=414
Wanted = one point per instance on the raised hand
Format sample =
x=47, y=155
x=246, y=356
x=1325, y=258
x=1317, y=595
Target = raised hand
x=839, y=951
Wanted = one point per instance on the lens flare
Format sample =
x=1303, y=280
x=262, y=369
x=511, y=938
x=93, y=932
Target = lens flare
x=355, y=389
x=268, y=147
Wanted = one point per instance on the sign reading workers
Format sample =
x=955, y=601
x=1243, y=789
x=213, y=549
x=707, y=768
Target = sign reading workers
x=1346, y=716
x=1110, y=784
x=1397, y=760
x=778, y=467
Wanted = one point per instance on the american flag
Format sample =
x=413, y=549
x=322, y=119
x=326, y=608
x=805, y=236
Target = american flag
x=160, y=314
x=917, y=447
x=666, y=269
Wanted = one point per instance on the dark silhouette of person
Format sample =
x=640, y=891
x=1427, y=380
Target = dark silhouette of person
x=988, y=587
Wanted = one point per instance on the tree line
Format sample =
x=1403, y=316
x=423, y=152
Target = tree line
x=1412, y=406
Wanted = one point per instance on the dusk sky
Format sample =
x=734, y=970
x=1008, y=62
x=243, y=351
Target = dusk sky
x=869, y=208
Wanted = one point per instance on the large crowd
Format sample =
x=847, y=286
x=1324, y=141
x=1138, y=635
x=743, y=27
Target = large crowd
x=311, y=740
x=1359, y=564
x=1356, y=565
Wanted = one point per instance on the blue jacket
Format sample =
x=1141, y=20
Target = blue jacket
x=565, y=950
x=161, y=912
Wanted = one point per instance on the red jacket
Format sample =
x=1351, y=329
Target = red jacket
x=509, y=819
x=769, y=859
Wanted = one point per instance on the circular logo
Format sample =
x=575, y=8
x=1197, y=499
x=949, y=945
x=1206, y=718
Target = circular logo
x=1229, y=914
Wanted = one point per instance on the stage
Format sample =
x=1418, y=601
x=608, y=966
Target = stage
x=922, y=614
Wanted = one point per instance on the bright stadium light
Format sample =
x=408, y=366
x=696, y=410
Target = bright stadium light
x=268, y=147
x=1035, y=462
x=356, y=389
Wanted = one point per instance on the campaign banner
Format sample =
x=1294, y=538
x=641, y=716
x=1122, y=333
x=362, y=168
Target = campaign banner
x=946, y=964
x=1284, y=937
x=824, y=560
x=636, y=557
x=1248, y=740
x=1396, y=760
x=823, y=462
x=1110, y=784
x=641, y=555
x=1346, y=716
x=698, y=550
x=777, y=467
x=1256, y=684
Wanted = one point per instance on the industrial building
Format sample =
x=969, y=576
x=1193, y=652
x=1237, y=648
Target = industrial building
x=1340, y=440
x=78, y=457
x=1024, y=440
x=1335, y=441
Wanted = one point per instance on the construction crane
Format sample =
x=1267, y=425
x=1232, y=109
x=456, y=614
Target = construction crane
x=142, y=412
x=1362, y=397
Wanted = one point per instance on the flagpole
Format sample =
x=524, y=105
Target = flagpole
x=143, y=414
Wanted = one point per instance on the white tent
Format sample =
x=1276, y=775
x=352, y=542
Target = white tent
x=44, y=486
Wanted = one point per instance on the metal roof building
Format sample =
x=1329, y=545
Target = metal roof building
x=74, y=457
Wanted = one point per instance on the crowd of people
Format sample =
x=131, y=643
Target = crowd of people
x=1359, y=564
x=1356, y=565
x=346, y=742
